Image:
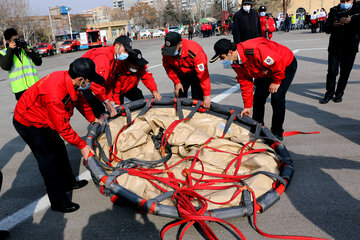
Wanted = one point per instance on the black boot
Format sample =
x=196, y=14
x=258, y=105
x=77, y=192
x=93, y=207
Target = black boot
x=326, y=99
x=4, y=234
x=338, y=97
x=65, y=207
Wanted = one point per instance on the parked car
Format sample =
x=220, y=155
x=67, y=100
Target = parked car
x=175, y=29
x=158, y=33
x=145, y=33
x=45, y=49
x=69, y=46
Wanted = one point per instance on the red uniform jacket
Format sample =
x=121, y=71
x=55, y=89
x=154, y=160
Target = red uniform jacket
x=128, y=80
x=193, y=61
x=106, y=66
x=203, y=27
x=50, y=103
x=261, y=58
x=267, y=22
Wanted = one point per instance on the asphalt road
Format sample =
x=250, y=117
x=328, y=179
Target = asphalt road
x=323, y=199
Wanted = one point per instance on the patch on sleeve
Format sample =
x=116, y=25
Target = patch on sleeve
x=201, y=67
x=249, y=51
x=66, y=99
x=191, y=54
x=269, y=61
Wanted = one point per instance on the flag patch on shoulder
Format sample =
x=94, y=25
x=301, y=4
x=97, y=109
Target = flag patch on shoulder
x=269, y=61
x=201, y=67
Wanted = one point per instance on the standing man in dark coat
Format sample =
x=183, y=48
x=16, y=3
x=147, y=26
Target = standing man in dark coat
x=343, y=25
x=246, y=23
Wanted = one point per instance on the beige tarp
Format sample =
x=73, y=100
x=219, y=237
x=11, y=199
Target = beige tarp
x=136, y=142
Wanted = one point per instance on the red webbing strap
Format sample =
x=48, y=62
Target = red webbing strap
x=273, y=235
x=291, y=133
x=191, y=215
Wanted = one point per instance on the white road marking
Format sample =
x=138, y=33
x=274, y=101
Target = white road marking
x=155, y=66
x=43, y=202
x=225, y=94
x=34, y=207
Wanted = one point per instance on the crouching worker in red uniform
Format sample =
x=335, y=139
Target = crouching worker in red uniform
x=185, y=63
x=273, y=66
x=107, y=60
x=132, y=70
x=42, y=118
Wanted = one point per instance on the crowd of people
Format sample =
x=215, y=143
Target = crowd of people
x=102, y=78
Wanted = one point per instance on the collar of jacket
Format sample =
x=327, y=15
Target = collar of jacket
x=70, y=87
x=241, y=52
x=185, y=48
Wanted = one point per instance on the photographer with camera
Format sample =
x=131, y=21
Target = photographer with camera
x=19, y=60
x=343, y=24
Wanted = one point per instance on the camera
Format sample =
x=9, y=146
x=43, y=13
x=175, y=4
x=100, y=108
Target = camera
x=20, y=43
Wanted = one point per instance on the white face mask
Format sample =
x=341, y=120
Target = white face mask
x=247, y=8
x=263, y=14
x=122, y=56
x=86, y=87
x=134, y=70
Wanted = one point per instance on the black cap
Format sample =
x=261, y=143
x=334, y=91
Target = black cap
x=262, y=9
x=247, y=2
x=135, y=57
x=85, y=67
x=172, y=39
x=221, y=47
x=125, y=41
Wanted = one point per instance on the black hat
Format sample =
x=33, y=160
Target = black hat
x=221, y=47
x=8, y=33
x=125, y=41
x=172, y=39
x=247, y=2
x=85, y=67
x=135, y=57
x=262, y=9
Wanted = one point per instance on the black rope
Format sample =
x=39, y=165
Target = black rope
x=229, y=122
x=179, y=108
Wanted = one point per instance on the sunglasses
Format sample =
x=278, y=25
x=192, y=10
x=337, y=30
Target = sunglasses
x=342, y=1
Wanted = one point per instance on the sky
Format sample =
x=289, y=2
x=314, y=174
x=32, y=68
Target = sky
x=41, y=7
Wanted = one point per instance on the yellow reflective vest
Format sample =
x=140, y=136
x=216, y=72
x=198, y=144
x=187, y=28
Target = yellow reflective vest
x=23, y=73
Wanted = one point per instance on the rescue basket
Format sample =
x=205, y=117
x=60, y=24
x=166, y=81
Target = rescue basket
x=175, y=159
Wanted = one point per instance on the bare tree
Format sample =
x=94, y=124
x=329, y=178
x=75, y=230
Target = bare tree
x=78, y=22
x=16, y=14
x=143, y=14
x=118, y=14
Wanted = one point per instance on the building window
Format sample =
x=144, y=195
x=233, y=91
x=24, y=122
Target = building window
x=113, y=33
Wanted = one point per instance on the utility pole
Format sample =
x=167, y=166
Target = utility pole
x=68, y=13
x=52, y=30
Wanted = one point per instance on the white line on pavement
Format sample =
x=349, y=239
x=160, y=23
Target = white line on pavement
x=43, y=203
x=225, y=94
x=155, y=66
x=34, y=207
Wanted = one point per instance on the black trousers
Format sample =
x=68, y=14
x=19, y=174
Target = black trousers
x=52, y=158
x=190, y=35
x=345, y=61
x=97, y=107
x=133, y=95
x=18, y=95
x=277, y=99
x=196, y=89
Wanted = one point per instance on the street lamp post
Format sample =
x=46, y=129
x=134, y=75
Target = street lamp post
x=68, y=10
x=52, y=30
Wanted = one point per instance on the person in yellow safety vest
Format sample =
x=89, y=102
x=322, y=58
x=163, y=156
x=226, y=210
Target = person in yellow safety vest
x=19, y=60
x=293, y=21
